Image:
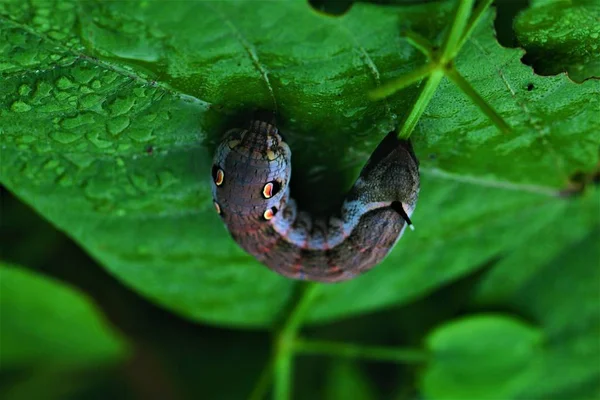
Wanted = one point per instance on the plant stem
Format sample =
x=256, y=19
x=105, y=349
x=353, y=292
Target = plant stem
x=349, y=350
x=264, y=381
x=283, y=372
x=401, y=82
x=473, y=21
x=466, y=87
x=420, y=43
x=455, y=34
x=284, y=343
x=418, y=108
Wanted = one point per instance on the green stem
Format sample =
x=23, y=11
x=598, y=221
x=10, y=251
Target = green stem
x=264, y=381
x=284, y=343
x=418, y=108
x=420, y=43
x=283, y=375
x=401, y=82
x=349, y=350
x=473, y=21
x=466, y=87
x=455, y=34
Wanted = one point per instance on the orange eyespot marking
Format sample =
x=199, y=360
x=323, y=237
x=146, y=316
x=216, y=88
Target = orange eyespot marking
x=233, y=143
x=268, y=190
x=220, y=177
x=271, y=189
x=270, y=213
x=271, y=155
x=217, y=207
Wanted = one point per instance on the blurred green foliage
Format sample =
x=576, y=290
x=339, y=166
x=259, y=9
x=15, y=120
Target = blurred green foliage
x=109, y=112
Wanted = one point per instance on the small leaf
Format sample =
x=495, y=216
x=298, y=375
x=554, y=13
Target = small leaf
x=481, y=357
x=46, y=323
x=563, y=295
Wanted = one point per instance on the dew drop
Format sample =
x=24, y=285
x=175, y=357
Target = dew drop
x=141, y=134
x=166, y=179
x=121, y=106
x=24, y=90
x=117, y=125
x=62, y=96
x=140, y=92
x=65, y=180
x=97, y=141
x=65, y=137
x=143, y=182
x=26, y=139
x=81, y=160
x=84, y=75
x=42, y=92
x=353, y=111
x=123, y=147
x=20, y=106
x=149, y=118
x=76, y=122
x=85, y=90
x=51, y=164
x=64, y=83
x=91, y=101
x=99, y=188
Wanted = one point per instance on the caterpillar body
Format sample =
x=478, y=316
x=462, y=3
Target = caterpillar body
x=250, y=186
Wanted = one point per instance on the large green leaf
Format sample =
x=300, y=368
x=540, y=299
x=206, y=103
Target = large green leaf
x=107, y=131
x=45, y=323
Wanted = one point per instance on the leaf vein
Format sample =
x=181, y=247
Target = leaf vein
x=505, y=185
x=371, y=66
x=250, y=50
x=532, y=121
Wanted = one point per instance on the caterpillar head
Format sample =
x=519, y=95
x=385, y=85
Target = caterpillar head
x=251, y=171
x=390, y=176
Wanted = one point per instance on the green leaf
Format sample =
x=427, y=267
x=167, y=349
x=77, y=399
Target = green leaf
x=567, y=226
x=126, y=154
x=562, y=36
x=559, y=290
x=347, y=381
x=563, y=295
x=45, y=323
x=554, y=121
x=108, y=133
x=481, y=357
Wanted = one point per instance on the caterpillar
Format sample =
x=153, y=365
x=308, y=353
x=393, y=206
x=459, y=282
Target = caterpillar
x=250, y=186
